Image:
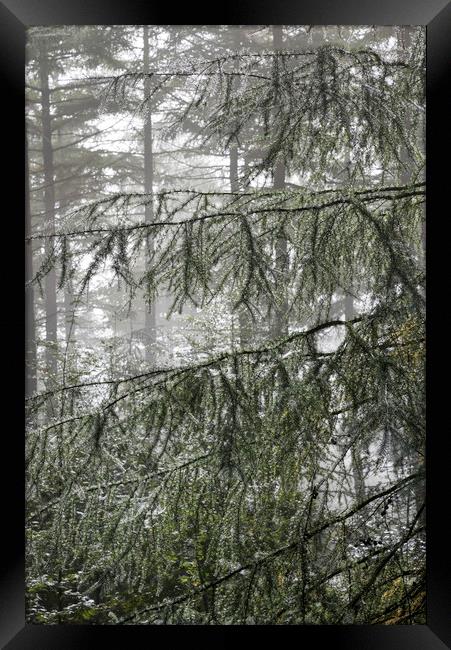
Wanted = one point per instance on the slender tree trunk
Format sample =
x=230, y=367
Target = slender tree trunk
x=244, y=319
x=69, y=311
x=149, y=319
x=49, y=203
x=30, y=333
x=357, y=464
x=406, y=178
x=407, y=164
x=69, y=306
x=280, y=321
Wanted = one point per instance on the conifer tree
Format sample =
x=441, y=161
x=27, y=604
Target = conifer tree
x=264, y=482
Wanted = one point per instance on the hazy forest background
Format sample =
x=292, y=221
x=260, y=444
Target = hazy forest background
x=225, y=259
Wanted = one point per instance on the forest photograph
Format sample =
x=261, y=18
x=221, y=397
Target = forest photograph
x=225, y=325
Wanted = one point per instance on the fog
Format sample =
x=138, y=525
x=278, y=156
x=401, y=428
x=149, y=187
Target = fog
x=225, y=263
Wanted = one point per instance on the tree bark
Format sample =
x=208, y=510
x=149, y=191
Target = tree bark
x=280, y=320
x=51, y=322
x=69, y=310
x=407, y=166
x=69, y=307
x=244, y=319
x=406, y=177
x=30, y=333
x=357, y=464
x=149, y=319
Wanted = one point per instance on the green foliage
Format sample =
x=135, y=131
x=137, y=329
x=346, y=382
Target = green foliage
x=337, y=238
x=278, y=481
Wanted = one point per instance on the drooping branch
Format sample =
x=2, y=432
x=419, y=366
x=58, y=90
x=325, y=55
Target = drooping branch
x=292, y=547
x=227, y=248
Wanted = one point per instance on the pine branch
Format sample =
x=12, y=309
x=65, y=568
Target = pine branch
x=370, y=195
x=177, y=370
x=285, y=549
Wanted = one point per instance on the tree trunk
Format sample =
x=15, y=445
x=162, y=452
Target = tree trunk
x=357, y=464
x=280, y=320
x=407, y=164
x=69, y=310
x=30, y=333
x=406, y=178
x=49, y=205
x=244, y=319
x=69, y=305
x=149, y=319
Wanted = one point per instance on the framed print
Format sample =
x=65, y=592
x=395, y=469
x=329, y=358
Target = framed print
x=230, y=335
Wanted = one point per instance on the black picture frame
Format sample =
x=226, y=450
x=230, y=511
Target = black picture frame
x=15, y=17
